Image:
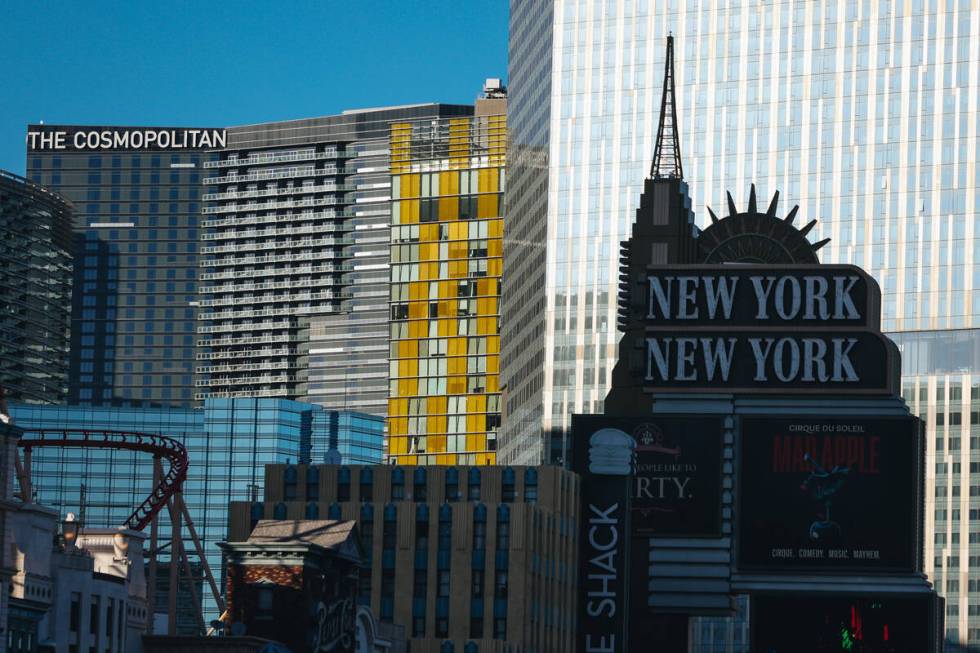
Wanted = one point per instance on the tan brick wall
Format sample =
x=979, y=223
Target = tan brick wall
x=542, y=556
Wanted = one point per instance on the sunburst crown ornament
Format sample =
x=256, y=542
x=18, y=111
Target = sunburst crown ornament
x=753, y=237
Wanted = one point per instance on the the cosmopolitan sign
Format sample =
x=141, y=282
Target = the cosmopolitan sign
x=763, y=328
x=45, y=138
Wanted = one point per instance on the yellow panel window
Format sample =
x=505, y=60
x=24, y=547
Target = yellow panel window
x=448, y=208
x=495, y=228
x=487, y=206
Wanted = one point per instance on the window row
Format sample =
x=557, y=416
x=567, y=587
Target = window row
x=418, y=478
x=447, y=231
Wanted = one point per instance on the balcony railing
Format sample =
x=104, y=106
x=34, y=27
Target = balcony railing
x=291, y=284
x=283, y=173
x=245, y=380
x=272, y=312
x=302, y=243
x=250, y=394
x=277, y=192
x=272, y=218
x=265, y=272
x=275, y=298
x=269, y=232
x=236, y=261
x=246, y=340
x=246, y=353
x=246, y=326
x=244, y=367
x=280, y=157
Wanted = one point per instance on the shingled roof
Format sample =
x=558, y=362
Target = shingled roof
x=338, y=536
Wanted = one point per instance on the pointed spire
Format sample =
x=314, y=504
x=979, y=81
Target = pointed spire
x=792, y=214
x=667, y=151
x=732, y=209
x=771, y=212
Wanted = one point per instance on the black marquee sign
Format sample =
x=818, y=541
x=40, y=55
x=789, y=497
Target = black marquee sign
x=761, y=328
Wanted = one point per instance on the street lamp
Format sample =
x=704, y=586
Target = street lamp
x=69, y=530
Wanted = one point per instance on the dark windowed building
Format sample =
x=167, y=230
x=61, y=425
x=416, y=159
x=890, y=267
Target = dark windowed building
x=479, y=558
x=35, y=291
x=137, y=194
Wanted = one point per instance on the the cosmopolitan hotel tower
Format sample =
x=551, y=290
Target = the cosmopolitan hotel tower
x=294, y=281
x=864, y=113
x=136, y=192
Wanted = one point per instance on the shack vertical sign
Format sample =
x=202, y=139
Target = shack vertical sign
x=604, y=457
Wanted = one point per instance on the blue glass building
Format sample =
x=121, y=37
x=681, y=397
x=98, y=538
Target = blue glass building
x=229, y=442
x=353, y=435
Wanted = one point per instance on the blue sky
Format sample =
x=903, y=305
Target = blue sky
x=228, y=63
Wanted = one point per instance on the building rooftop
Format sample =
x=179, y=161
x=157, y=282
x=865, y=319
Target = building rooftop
x=329, y=534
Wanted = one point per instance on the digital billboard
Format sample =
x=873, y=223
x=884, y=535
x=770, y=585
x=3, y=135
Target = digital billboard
x=794, y=623
x=676, y=486
x=831, y=495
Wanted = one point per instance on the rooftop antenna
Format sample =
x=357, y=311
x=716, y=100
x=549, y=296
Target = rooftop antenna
x=667, y=151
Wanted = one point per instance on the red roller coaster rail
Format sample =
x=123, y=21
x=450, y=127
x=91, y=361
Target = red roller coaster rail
x=157, y=445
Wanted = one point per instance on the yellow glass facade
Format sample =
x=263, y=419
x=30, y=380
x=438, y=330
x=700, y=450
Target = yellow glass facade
x=446, y=260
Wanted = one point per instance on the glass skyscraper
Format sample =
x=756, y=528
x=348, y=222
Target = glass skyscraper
x=35, y=291
x=137, y=197
x=864, y=113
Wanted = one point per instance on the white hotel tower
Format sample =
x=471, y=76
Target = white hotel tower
x=864, y=112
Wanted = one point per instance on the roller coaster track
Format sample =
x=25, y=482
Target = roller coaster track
x=158, y=446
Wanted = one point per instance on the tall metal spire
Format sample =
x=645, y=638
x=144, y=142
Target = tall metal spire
x=667, y=152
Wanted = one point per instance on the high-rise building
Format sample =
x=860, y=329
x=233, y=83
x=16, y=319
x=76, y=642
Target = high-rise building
x=228, y=443
x=294, y=296
x=468, y=558
x=35, y=291
x=524, y=431
x=136, y=192
x=864, y=113
x=446, y=260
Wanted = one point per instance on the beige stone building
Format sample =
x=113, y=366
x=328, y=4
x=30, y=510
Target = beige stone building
x=467, y=559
